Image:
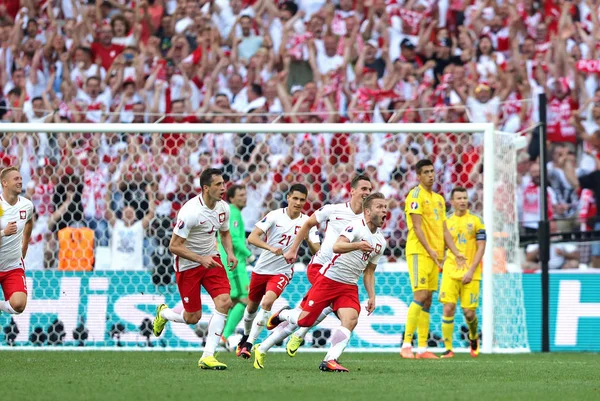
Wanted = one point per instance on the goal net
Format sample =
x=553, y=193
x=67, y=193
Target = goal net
x=107, y=195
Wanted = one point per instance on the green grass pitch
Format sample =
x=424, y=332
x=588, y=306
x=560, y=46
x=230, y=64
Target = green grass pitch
x=158, y=376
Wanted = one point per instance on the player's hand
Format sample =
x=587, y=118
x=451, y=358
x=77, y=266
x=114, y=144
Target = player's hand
x=433, y=255
x=277, y=251
x=208, y=262
x=11, y=229
x=370, y=306
x=231, y=262
x=290, y=256
x=468, y=277
x=461, y=259
x=364, y=246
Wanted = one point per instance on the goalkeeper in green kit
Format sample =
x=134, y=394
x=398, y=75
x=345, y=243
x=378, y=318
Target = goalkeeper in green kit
x=238, y=278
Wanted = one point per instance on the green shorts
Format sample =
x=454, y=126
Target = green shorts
x=240, y=281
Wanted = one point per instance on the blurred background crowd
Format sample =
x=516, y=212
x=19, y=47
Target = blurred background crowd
x=303, y=61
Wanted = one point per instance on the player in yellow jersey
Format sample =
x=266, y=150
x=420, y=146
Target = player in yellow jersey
x=468, y=233
x=427, y=240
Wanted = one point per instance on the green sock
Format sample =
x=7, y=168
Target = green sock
x=473, y=328
x=234, y=316
x=448, y=331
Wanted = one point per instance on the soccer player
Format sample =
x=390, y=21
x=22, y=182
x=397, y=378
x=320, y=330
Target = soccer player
x=238, y=278
x=356, y=251
x=336, y=217
x=197, y=263
x=468, y=233
x=15, y=231
x=427, y=237
x=272, y=272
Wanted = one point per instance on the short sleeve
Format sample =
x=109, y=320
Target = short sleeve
x=323, y=213
x=413, y=202
x=350, y=233
x=375, y=256
x=443, y=202
x=184, y=224
x=266, y=223
x=30, y=212
x=313, y=236
x=225, y=223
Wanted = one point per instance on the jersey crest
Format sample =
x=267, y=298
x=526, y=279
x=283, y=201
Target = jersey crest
x=377, y=248
x=23, y=214
x=221, y=217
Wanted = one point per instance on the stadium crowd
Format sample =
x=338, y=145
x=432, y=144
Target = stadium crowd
x=303, y=61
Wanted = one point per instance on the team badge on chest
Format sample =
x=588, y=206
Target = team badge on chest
x=377, y=248
x=23, y=214
x=221, y=217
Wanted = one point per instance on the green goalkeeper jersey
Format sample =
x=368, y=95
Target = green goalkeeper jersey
x=238, y=238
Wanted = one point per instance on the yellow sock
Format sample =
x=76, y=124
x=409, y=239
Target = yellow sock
x=473, y=328
x=414, y=310
x=448, y=331
x=423, y=329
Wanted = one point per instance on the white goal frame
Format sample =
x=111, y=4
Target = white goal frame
x=487, y=129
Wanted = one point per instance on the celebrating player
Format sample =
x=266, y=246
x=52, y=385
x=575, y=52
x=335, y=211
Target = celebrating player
x=272, y=272
x=337, y=217
x=238, y=278
x=427, y=233
x=197, y=263
x=15, y=230
x=356, y=251
x=468, y=233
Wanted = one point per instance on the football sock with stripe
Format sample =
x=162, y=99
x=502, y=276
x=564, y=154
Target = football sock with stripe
x=423, y=330
x=414, y=311
x=447, y=331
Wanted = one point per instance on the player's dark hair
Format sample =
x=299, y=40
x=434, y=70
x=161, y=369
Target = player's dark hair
x=359, y=177
x=457, y=189
x=298, y=188
x=231, y=191
x=369, y=199
x=423, y=163
x=207, y=175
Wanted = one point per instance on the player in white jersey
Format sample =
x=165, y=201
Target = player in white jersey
x=197, y=263
x=15, y=231
x=356, y=252
x=336, y=218
x=272, y=272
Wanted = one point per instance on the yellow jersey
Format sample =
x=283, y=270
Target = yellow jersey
x=466, y=231
x=432, y=207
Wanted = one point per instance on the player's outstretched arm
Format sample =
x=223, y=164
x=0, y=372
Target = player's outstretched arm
x=417, y=221
x=343, y=245
x=256, y=239
x=460, y=258
x=369, y=282
x=26, y=237
x=228, y=246
x=291, y=254
x=178, y=248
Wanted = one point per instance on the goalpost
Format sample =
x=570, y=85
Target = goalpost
x=502, y=308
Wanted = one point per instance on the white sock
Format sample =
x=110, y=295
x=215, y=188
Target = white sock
x=279, y=334
x=420, y=350
x=259, y=324
x=290, y=315
x=5, y=307
x=172, y=316
x=215, y=331
x=406, y=345
x=248, y=319
x=339, y=341
x=303, y=330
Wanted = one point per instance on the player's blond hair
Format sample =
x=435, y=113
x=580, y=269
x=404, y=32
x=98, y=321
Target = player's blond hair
x=369, y=199
x=7, y=170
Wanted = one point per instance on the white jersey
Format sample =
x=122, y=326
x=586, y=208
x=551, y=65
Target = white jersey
x=11, y=249
x=337, y=218
x=127, y=244
x=280, y=231
x=199, y=225
x=348, y=267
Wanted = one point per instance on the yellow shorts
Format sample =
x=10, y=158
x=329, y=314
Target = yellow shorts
x=454, y=288
x=424, y=273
